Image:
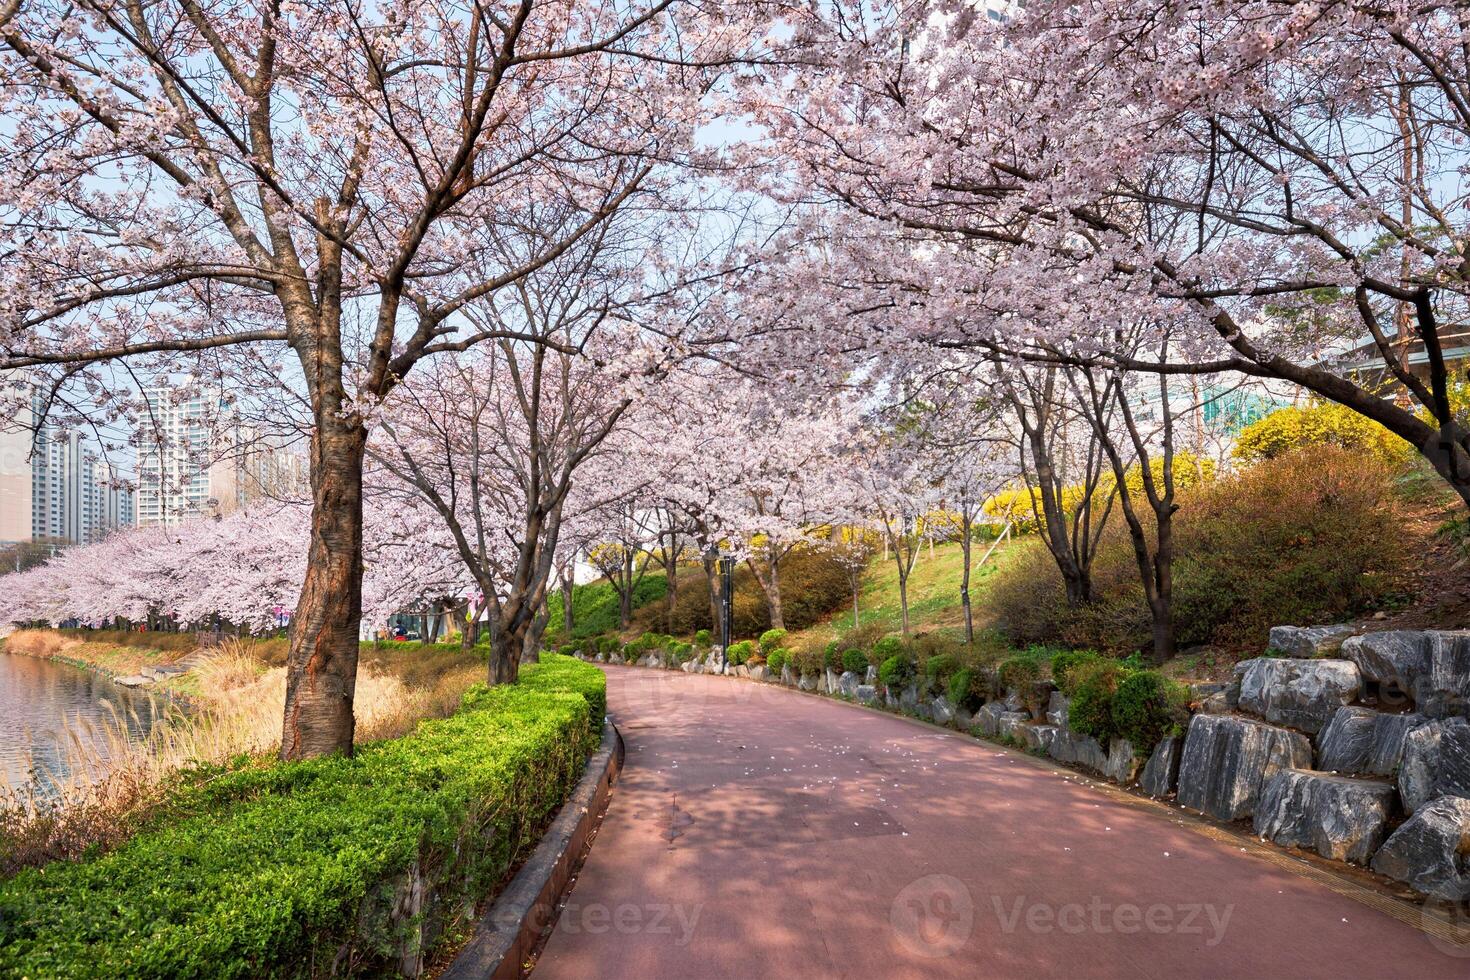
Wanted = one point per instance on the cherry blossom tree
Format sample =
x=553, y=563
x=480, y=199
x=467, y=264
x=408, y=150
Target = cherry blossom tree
x=1279, y=183
x=213, y=190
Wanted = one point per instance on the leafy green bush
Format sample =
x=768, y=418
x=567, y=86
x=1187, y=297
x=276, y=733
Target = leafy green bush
x=1064, y=667
x=889, y=646
x=855, y=661
x=1024, y=670
x=771, y=640
x=896, y=672
x=966, y=689
x=1091, y=709
x=740, y=652
x=777, y=659
x=813, y=586
x=703, y=637
x=939, y=668
x=609, y=644
x=1148, y=707
x=595, y=605
x=832, y=657
x=292, y=869
x=807, y=660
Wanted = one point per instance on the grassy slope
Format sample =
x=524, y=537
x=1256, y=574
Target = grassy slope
x=934, y=595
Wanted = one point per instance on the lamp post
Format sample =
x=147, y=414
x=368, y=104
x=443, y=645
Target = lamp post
x=727, y=599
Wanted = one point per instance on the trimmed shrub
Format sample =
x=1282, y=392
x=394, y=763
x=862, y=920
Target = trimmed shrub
x=609, y=644
x=807, y=660
x=1024, y=670
x=293, y=869
x=832, y=657
x=740, y=652
x=855, y=661
x=777, y=659
x=939, y=668
x=703, y=637
x=896, y=672
x=1091, y=709
x=1148, y=707
x=771, y=640
x=1064, y=667
x=889, y=646
x=966, y=689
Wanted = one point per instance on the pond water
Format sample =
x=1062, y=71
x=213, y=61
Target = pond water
x=47, y=708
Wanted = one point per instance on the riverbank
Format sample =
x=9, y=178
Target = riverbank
x=361, y=865
x=110, y=779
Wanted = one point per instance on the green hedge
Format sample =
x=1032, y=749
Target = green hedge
x=287, y=868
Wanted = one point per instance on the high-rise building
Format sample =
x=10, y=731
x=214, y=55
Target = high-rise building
x=53, y=486
x=194, y=459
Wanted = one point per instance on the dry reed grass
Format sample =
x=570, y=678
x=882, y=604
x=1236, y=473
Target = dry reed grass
x=115, y=781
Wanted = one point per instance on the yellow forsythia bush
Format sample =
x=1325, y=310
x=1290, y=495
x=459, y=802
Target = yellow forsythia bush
x=1323, y=424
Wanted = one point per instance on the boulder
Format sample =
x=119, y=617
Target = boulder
x=1216, y=704
x=133, y=680
x=1014, y=701
x=987, y=719
x=908, y=699
x=739, y=670
x=870, y=676
x=1056, y=709
x=1430, y=851
x=600, y=658
x=1161, y=773
x=807, y=682
x=867, y=693
x=1227, y=760
x=760, y=672
x=1123, y=762
x=1010, y=723
x=1363, y=741
x=963, y=719
x=829, y=678
x=1431, y=668
x=1081, y=750
x=1301, y=694
x=942, y=710
x=1340, y=818
x=690, y=666
x=1308, y=641
x=787, y=676
x=848, y=684
x=1038, y=738
x=1436, y=762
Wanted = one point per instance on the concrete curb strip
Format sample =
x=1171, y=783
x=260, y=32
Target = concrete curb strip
x=509, y=930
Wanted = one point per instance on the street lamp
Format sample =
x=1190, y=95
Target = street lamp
x=727, y=599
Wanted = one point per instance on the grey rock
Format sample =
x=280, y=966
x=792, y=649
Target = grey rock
x=689, y=666
x=1227, y=760
x=1436, y=762
x=1431, y=850
x=987, y=719
x=808, y=682
x=1123, y=762
x=1056, y=709
x=788, y=677
x=963, y=719
x=1363, y=741
x=1431, y=668
x=1161, y=773
x=1014, y=701
x=829, y=681
x=601, y=657
x=1309, y=641
x=1297, y=693
x=942, y=711
x=1010, y=723
x=908, y=699
x=1340, y=818
x=867, y=693
x=1068, y=746
x=133, y=680
x=1215, y=704
x=848, y=684
x=1038, y=738
x=739, y=670
x=870, y=676
x=760, y=673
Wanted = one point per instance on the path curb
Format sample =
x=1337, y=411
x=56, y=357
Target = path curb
x=508, y=932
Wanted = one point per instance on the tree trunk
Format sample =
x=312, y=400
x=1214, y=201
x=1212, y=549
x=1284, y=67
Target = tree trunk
x=625, y=594
x=673, y=585
x=321, y=665
x=903, y=603
x=506, y=647
x=712, y=577
x=566, y=606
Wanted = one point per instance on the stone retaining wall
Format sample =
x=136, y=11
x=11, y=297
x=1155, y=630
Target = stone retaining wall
x=1355, y=746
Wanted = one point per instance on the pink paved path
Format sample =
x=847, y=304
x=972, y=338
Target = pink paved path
x=757, y=832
